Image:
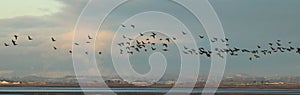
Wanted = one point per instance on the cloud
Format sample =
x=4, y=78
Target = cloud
x=15, y=8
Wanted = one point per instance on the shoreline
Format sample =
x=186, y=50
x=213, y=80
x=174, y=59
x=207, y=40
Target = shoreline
x=222, y=87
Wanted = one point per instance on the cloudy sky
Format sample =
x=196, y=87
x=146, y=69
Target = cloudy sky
x=247, y=23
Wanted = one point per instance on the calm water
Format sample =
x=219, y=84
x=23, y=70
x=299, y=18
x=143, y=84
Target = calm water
x=147, y=90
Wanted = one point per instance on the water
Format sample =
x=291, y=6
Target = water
x=141, y=90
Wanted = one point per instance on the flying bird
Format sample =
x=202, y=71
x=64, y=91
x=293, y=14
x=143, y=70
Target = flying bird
x=201, y=36
x=168, y=39
x=185, y=52
x=130, y=39
x=227, y=39
x=219, y=54
x=53, y=40
x=250, y=58
x=153, y=48
x=165, y=45
x=214, y=40
x=184, y=33
x=298, y=50
x=132, y=26
x=185, y=47
x=123, y=25
x=223, y=40
x=5, y=44
x=90, y=37
x=207, y=54
x=165, y=49
x=278, y=40
x=121, y=44
x=141, y=34
x=256, y=56
x=258, y=46
x=153, y=44
x=174, y=38
x=153, y=35
x=278, y=44
x=14, y=42
x=54, y=48
x=29, y=38
x=137, y=49
x=270, y=44
x=121, y=51
x=16, y=37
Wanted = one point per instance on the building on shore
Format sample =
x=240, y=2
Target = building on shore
x=4, y=82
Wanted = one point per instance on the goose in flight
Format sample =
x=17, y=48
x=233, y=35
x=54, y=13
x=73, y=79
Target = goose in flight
x=5, y=44
x=165, y=49
x=165, y=45
x=258, y=46
x=54, y=48
x=201, y=36
x=132, y=26
x=270, y=44
x=16, y=37
x=227, y=39
x=52, y=39
x=168, y=39
x=141, y=34
x=123, y=25
x=174, y=38
x=153, y=35
x=250, y=58
x=76, y=44
x=256, y=56
x=14, y=42
x=121, y=44
x=130, y=52
x=153, y=48
x=184, y=33
x=90, y=37
x=29, y=38
x=223, y=40
x=121, y=51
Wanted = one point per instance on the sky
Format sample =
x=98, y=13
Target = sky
x=246, y=23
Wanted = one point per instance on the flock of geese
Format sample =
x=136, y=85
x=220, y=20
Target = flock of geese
x=260, y=51
x=14, y=42
x=153, y=42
